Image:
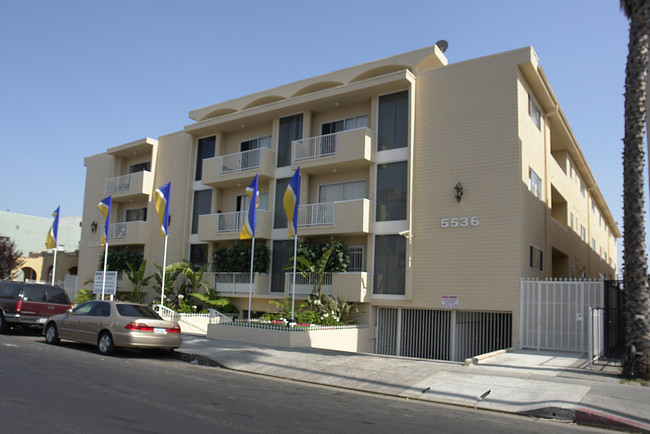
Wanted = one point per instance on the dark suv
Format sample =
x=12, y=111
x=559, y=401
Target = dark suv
x=30, y=304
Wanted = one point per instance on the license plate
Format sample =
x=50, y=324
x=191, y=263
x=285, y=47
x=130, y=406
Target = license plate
x=159, y=331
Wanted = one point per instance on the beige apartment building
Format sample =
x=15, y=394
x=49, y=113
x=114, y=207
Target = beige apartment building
x=447, y=182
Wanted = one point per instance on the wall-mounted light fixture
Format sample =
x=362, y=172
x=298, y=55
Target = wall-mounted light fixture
x=93, y=227
x=458, y=189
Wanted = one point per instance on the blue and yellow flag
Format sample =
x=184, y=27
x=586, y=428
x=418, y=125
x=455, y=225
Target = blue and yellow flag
x=51, y=239
x=291, y=202
x=105, y=207
x=248, y=231
x=161, y=196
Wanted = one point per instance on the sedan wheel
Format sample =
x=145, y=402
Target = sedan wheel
x=105, y=344
x=51, y=334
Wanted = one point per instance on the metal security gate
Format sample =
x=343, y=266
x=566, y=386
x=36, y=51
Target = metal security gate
x=554, y=313
x=440, y=334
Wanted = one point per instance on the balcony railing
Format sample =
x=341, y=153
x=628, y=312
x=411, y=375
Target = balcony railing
x=241, y=161
x=315, y=147
x=231, y=221
x=233, y=282
x=317, y=214
x=118, y=183
x=306, y=285
x=117, y=231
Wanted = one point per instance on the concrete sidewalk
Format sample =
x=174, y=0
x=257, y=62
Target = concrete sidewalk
x=549, y=385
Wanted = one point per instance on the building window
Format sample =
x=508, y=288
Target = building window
x=290, y=129
x=583, y=233
x=204, y=149
x=243, y=200
x=259, y=142
x=140, y=167
x=571, y=221
x=279, y=216
x=536, y=258
x=572, y=169
x=356, y=254
x=198, y=255
x=341, y=191
x=344, y=124
x=534, y=112
x=390, y=265
x=202, y=205
x=535, y=184
x=393, y=122
x=282, y=252
x=583, y=188
x=391, y=191
x=593, y=244
x=136, y=215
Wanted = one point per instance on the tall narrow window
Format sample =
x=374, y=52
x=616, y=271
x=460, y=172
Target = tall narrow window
x=202, y=205
x=536, y=260
x=205, y=149
x=534, y=112
x=535, y=184
x=390, y=265
x=393, y=121
x=279, y=217
x=356, y=258
x=391, y=191
x=282, y=251
x=290, y=129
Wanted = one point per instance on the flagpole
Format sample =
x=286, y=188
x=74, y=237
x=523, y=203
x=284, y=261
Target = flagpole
x=293, y=291
x=162, y=290
x=104, y=274
x=250, y=289
x=54, y=265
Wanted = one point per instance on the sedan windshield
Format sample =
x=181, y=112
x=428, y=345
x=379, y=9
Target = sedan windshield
x=136, y=310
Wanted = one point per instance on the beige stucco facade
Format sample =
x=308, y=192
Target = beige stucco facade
x=530, y=206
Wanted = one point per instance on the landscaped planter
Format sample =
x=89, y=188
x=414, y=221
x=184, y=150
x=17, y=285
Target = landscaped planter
x=347, y=338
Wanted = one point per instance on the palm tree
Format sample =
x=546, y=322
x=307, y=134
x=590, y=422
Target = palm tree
x=636, y=362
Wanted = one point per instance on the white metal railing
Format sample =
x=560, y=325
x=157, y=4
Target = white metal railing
x=279, y=325
x=315, y=147
x=117, y=231
x=317, y=214
x=230, y=221
x=241, y=161
x=232, y=282
x=118, y=183
x=306, y=285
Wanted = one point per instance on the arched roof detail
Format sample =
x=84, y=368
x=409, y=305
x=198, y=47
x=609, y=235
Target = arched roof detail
x=264, y=100
x=315, y=87
x=382, y=70
x=220, y=112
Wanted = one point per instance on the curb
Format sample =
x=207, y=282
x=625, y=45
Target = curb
x=585, y=416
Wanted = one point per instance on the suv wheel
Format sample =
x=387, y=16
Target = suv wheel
x=51, y=334
x=105, y=344
x=4, y=327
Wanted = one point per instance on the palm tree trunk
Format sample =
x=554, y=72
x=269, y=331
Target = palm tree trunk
x=636, y=363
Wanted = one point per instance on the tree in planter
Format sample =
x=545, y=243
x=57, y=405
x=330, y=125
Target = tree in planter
x=316, y=269
x=137, y=278
x=9, y=258
x=237, y=259
x=171, y=275
x=118, y=260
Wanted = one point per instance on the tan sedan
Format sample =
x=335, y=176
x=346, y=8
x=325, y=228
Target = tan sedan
x=113, y=324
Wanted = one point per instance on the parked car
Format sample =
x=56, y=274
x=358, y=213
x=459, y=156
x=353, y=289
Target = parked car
x=113, y=324
x=30, y=304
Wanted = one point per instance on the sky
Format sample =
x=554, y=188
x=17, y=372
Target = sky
x=81, y=76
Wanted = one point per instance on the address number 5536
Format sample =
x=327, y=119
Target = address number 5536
x=458, y=222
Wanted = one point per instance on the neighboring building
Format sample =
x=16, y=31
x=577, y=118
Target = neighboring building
x=448, y=183
x=29, y=233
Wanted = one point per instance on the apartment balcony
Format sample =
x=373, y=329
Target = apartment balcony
x=239, y=169
x=133, y=186
x=342, y=150
x=351, y=287
x=127, y=233
x=227, y=226
x=238, y=284
x=560, y=180
x=345, y=217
